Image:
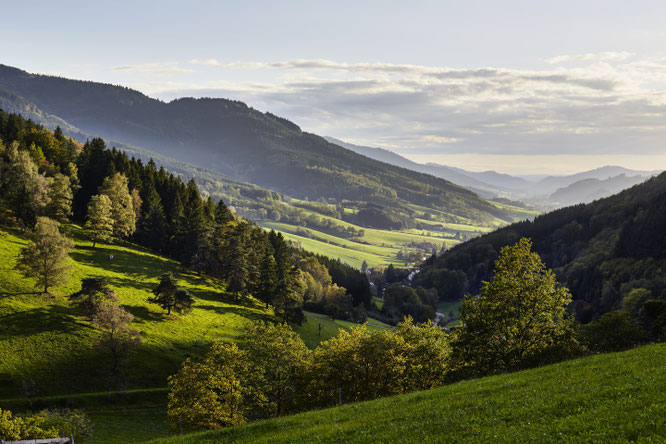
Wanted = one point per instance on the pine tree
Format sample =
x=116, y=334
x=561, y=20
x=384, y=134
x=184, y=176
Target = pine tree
x=122, y=207
x=94, y=291
x=267, y=278
x=236, y=266
x=169, y=295
x=99, y=226
x=222, y=213
x=152, y=225
x=46, y=256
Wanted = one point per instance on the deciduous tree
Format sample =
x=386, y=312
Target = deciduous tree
x=99, y=223
x=519, y=319
x=46, y=256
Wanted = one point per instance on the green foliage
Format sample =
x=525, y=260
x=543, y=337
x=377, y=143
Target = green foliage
x=45, y=424
x=99, y=223
x=169, y=295
x=257, y=379
x=614, y=397
x=614, y=331
x=24, y=189
x=60, y=198
x=272, y=372
x=212, y=393
x=400, y=301
x=601, y=251
x=122, y=205
x=519, y=320
x=46, y=257
x=93, y=293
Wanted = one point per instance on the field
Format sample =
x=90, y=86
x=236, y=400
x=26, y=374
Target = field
x=382, y=247
x=309, y=330
x=616, y=397
x=46, y=340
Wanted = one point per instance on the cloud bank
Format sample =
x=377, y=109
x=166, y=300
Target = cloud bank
x=610, y=103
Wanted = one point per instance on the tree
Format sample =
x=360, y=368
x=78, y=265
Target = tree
x=99, y=223
x=46, y=256
x=279, y=361
x=169, y=295
x=60, y=198
x=614, y=331
x=116, y=337
x=94, y=291
x=136, y=204
x=210, y=394
x=24, y=189
x=288, y=302
x=519, y=319
x=267, y=277
x=122, y=206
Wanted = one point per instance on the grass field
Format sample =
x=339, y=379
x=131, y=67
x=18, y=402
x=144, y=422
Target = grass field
x=309, y=330
x=616, y=397
x=47, y=340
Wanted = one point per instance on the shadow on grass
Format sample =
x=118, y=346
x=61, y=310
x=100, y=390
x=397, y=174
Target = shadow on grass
x=237, y=310
x=143, y=314
x=38, y=320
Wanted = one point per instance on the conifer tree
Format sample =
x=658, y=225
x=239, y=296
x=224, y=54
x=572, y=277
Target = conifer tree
x=94, y=291
x=222, y=213
x=99, y=224
x=46, y=256
x=169, y=295
x=267, y=286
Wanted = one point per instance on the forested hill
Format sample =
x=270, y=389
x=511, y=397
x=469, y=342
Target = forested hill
x=237, y=140
x=610, y=253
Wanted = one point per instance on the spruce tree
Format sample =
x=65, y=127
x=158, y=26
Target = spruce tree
x=169, y=295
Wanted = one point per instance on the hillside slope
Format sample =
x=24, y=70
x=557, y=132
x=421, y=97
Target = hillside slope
x=232, y=138
x=47, y=340
x=601, y=251
x=606, y=398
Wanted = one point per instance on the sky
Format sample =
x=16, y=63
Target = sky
x=523, y=87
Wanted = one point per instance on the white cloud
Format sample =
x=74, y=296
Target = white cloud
x=206, y=62
x=605, y=103
x=155, y=68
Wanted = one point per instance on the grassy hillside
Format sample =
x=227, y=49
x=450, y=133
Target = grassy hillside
x=606, y=398
x=45, y=339
x=601, y=251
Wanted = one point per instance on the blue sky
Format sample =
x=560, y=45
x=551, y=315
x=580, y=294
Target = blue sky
x=532, y=87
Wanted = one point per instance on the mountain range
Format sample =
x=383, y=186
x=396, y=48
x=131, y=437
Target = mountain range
x=232, y=138
x=549, y=191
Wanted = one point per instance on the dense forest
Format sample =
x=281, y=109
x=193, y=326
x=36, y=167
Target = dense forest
x=607, y=253
x=59, y=178
x=237, y=140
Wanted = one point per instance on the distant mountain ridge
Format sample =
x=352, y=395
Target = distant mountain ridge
x=236, y=140
x=557, y=191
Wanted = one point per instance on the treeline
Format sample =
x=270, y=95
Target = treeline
x=519, y=321
x=603, y=252
x=272, y=373
x=47, y=174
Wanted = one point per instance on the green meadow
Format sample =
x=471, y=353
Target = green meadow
x=616, y=397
